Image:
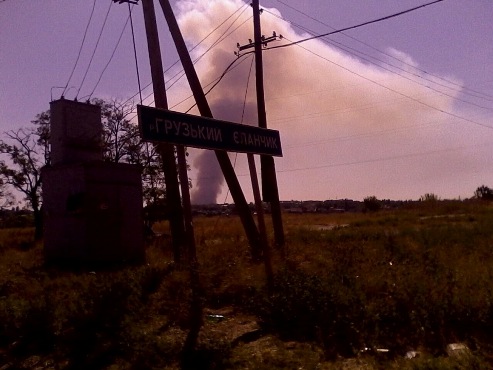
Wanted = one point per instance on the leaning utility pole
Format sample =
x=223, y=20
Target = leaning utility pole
x=205, y=111
x=185, y=216
x=165, y=150
x=269, y=181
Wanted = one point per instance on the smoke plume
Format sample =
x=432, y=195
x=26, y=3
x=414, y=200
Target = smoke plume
x=348, y=128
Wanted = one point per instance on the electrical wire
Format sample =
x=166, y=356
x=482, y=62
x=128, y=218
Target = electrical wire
x=246, y=90
x=241, y=121
x=110, y=59
x=135, y=50
x=80, y=49
x=181, y=72
x=95, y=48
x=374, y=160
x=223, y=36
x=356, y=26
x=383, y=159
x=358, y=54
x=340, y=139
x=219, y=79
x=463, y=89
x=214, y=82
x=388, y=88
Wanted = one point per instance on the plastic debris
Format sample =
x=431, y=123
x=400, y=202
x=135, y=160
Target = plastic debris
x=412, y=354
x=215, y=318
x=457, y=349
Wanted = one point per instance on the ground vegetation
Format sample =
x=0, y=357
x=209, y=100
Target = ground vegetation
x=406, y=288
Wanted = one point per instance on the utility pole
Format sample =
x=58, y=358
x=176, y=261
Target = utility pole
x=268, y=170
x=166, y=151
x=183, y=218
x=162, y=102
x=205, y=111
x=261, y=224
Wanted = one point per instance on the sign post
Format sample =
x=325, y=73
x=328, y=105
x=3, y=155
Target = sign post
x=166, y=151
x=162, y=125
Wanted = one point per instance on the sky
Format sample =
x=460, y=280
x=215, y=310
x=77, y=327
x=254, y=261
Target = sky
x=394, y=109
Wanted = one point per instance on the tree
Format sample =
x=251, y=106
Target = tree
x=121, y=140
x=484, y=193
x=372, y=204
x=26, y=152
x=429, y=198
x=122, y=144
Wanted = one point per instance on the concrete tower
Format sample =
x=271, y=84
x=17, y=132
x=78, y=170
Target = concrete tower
x=92, y=209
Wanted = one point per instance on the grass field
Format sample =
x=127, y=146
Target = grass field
x=355, y=291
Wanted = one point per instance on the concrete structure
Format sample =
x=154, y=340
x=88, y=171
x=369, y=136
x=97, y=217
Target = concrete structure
x=92, y=209
x=75, y=132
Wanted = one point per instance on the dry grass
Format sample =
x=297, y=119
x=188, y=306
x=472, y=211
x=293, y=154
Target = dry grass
x=414, y=279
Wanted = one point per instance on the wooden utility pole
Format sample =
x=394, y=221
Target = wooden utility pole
x=162, y=102
x=165, y=150
x=269, y=181
x=261, y=224
x=205, y=111
x=181, y=218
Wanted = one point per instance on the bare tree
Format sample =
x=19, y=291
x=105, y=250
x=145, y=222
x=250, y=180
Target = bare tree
x=25, y=152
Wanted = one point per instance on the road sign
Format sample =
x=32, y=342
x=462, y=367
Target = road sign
x=162, y=125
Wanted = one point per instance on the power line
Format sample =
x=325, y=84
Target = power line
x=223, y=36
x=356, y=26
x=383, y=159
x=355, y=52
x=181, y=73
x=361, y=136
x=219, y=79
x=217, y=42
x=214, y=82
x=196, y=60
x=241, y=121
x=246, y=90
x=372, y=160
x=359, y=75
x=484, y=95
x=191, y=49
x=95, y=48
x=388, y=88
x=110, y=59
x=135, y=51
x=81, y=46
